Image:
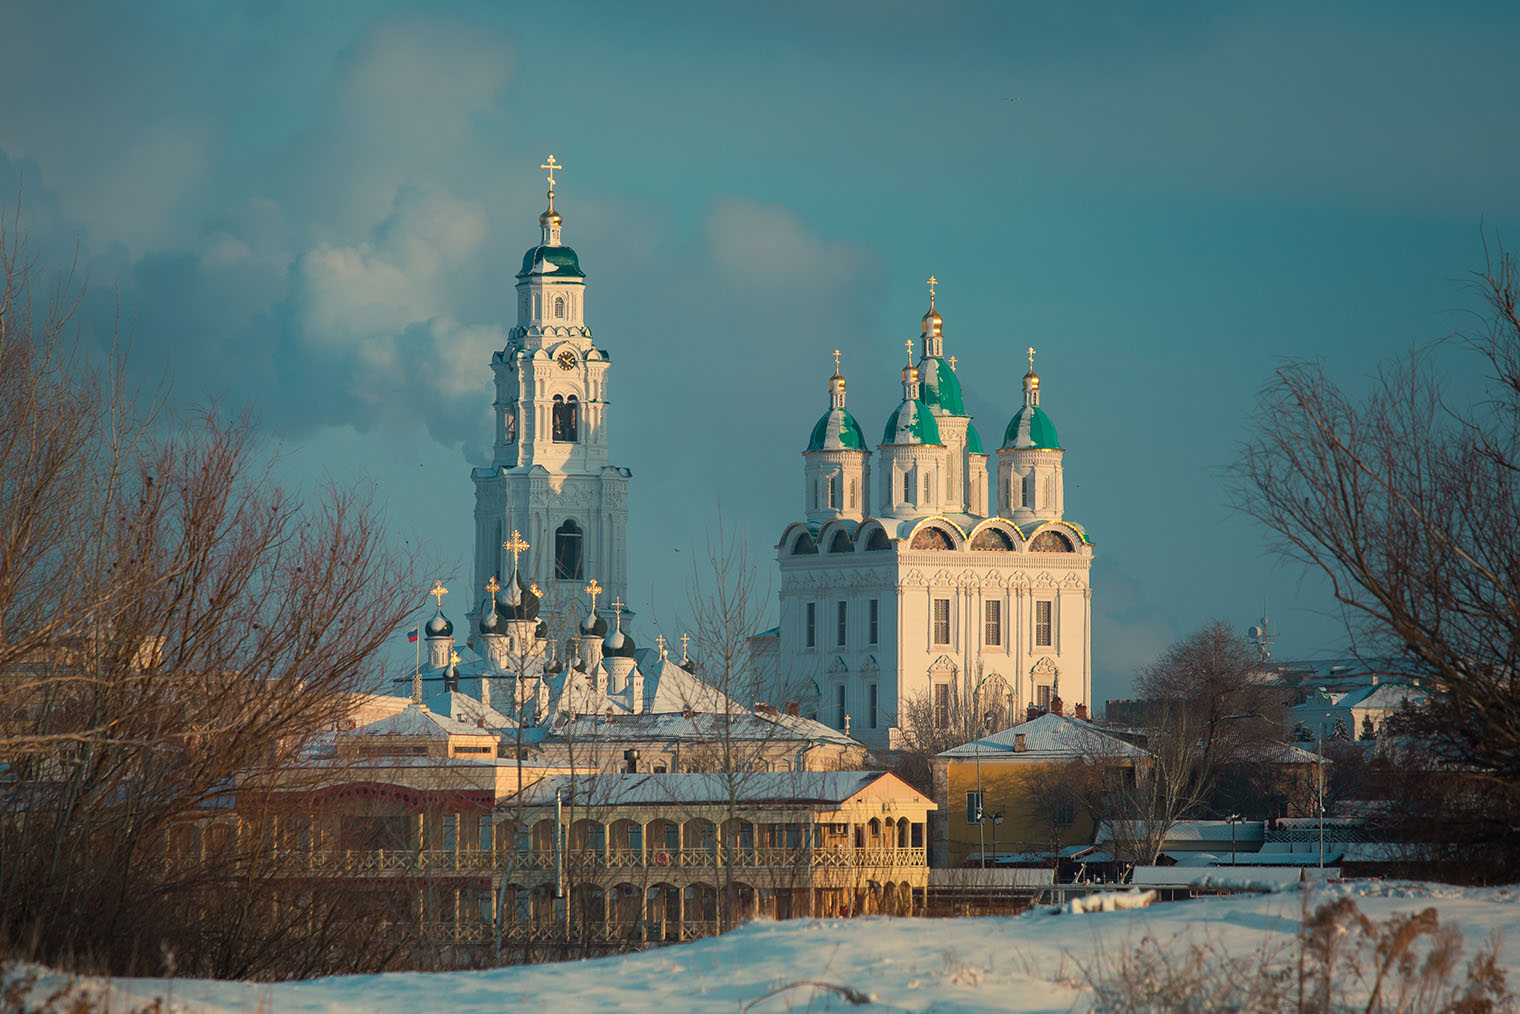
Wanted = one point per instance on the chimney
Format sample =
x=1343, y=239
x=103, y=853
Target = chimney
x=793, y=709
x=1032, y=712
x=1056, y=705
x=1019, y=746
x=1081, y=713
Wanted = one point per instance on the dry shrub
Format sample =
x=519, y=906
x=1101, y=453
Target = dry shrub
x=1342, y=961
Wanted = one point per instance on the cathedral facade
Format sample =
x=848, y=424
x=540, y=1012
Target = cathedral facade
x=912, y=590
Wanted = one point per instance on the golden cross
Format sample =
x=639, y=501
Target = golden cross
x=454, y=657
x=952, y=364
x=533, y=587
x=660, y=641
x=932, y=283
x=553, y=167
x=438, y=592
x=515, y=545
x=593, y=589
x=684, y=639
x=909, y=346
x=1030, y=350
x=617, y=607
x=836, y=360
x=492, y=587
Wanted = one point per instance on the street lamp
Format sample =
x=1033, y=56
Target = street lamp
x=1234, y=819
x=997, y=818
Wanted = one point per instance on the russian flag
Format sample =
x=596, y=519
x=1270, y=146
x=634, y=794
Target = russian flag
x=411, y=636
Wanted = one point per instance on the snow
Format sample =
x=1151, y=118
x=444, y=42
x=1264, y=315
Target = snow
x=1031, y=963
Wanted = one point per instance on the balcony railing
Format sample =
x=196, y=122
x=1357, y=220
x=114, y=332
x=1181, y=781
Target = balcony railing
x=397, y=861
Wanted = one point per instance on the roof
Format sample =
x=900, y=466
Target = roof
x=1049, y=737
x=560, y=261
x=911, y=423
x=973, y=440
x=469, y=710
x=704, y=727
x=1246, y=832
x=829, y=788
x=1031, y=427
x=417, y=720
x=941, y=387
x=836, y=430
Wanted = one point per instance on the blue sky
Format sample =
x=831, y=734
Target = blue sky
x=319, y=208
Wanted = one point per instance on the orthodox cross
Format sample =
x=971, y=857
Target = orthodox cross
x=684, y=639
x=593, y=589
x=1030, y=350
x=660, y=642
x=836, y=360
x=952, y=364
x=515, y=545
x=553, y=167
x=438, y=592
x=533, y=587
x=492, y=587
x=453, y=658
x=932, y=283
x=617, y=607
x=909, y=346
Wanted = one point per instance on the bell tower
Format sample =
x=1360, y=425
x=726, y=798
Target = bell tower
x=551, y=476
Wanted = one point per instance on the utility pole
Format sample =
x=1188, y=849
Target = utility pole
x=981, y=829
x=1234, y=819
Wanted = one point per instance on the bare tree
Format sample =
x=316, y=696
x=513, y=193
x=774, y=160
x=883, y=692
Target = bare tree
x=177, y=631
x=1408, y=500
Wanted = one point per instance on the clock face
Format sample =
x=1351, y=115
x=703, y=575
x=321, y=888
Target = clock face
x=567, y=360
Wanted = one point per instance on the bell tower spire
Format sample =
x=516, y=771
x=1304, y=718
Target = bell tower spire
x=550, y=220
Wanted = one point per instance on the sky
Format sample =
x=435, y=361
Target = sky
x=317, y=209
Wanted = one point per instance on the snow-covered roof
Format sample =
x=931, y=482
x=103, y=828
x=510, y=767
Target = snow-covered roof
x=469, y=710
x=1049, y=737
x=417, y=720
x=828, y=788
x=1246, y=832
x=702, y=726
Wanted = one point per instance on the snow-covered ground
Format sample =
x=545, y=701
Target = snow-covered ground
x=1035, y=962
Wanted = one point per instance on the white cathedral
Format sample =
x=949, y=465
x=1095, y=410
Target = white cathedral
x=901, y=587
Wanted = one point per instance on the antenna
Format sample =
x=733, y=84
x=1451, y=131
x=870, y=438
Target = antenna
x=1262, y=635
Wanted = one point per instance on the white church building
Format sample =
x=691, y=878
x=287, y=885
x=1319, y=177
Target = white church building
x=902, y=584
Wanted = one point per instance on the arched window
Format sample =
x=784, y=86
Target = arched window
x=804, y=545
x=840, y=543
x=852, y=493
x=833, y=501
x=559, y=307
x=992, y=540
x=877, y=541
x=567, y=552
x=509, y=426
x=907, y=487
x=566, y=419
x=928, y=487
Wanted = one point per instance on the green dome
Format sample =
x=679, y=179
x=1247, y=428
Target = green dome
x=941, y=387
x=559, y=261
x=837, y=430
x=912, y=423
x=1031, y=427
x=973, y=440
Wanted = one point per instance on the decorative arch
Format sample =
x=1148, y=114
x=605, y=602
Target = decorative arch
x=932, y=537
x=840, y=542
x=1051, y=541
x=804, y=544
x=559, y=307
x=992, y=539
x=994, y=703
x=876, y=541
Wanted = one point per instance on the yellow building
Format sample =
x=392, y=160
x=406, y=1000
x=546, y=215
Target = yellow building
x=1023, y=795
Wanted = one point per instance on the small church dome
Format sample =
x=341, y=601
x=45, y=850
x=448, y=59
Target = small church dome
x=618, y=645
x=1031, y=427
x=516, y=600
x=836, y=430
x=594, y=625
x=491, y=621
x=439, y=626
x=553, y=261
x=973, y=440
x=911, y=423
x=941, y=387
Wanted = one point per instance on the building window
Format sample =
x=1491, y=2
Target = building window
x=873, y=613
x=1042, y=623
x=813, y=496
x=566, y=419
x=974, y=806
x=841, y=623
x=941, y=621
x=928, y=487
x=852, y=493
x=833, y=500
x=839, y=707
x=1066, y=813
x=1042, y=698
x=907, y=488
x=567, y=552
x=871, y=708
x=942, y=705
x=993, y=632
x=810, y=625
x=486, y=828
x=559, y=307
